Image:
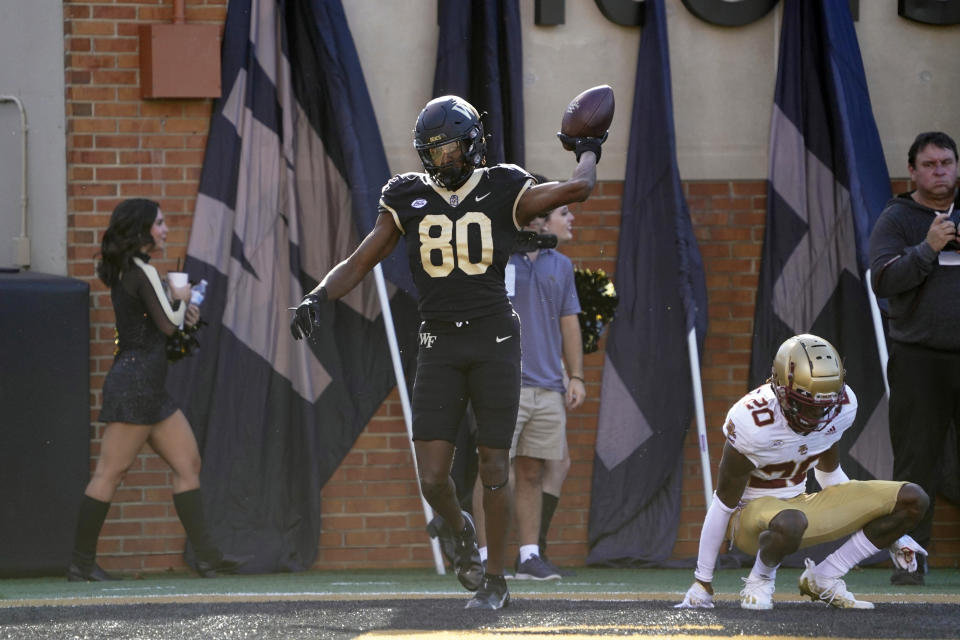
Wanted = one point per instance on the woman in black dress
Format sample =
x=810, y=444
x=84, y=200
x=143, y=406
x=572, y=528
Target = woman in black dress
x=136, y=406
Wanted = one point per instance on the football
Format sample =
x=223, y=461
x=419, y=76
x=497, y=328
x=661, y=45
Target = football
x=589, y=114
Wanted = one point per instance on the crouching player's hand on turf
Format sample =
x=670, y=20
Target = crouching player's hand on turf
x=699, y=596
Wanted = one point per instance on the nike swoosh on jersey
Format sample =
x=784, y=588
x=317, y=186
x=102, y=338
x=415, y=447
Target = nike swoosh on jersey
x=499, y=339
x=479, y=198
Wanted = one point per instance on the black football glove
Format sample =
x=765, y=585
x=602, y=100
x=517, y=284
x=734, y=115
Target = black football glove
x=579, y=145
x=306, y=314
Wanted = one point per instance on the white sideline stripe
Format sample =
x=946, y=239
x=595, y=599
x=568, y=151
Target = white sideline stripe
x=330, y=596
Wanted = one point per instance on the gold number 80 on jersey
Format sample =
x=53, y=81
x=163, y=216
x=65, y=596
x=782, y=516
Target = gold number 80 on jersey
x=450, y=235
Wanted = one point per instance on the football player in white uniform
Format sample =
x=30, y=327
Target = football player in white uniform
x=775, y=434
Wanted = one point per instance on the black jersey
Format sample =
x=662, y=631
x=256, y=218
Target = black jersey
x=458, y=242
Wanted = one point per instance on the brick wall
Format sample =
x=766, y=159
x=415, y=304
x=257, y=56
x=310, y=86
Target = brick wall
x=120, y=146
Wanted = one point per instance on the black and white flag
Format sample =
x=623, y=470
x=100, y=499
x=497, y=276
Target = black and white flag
x=828, y=183
x=291, y=178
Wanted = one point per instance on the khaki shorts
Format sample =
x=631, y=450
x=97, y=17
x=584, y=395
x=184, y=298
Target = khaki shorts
x=541, y=425
x=833, y=513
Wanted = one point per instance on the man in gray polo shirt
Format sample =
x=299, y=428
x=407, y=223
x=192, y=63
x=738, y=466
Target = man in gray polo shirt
x=541, y=288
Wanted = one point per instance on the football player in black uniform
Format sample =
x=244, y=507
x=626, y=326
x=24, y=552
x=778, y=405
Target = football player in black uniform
x=460, y=219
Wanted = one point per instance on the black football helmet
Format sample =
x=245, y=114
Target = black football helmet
x=449, y=140
x=808, y=377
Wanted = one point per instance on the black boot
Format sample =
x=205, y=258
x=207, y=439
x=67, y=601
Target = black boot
x=87, y=570
x=83, y=561
x=210, y=562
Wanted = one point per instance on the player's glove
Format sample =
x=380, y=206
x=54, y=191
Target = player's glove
x=579, y=145
x=697, y=598
x=306, y=314
x=904, y=552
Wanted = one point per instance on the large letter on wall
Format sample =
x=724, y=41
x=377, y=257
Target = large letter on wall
x=730, y=14
x=941, y=12
x=626, y=13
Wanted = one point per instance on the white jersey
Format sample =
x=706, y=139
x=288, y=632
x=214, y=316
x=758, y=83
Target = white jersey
x=756, y=427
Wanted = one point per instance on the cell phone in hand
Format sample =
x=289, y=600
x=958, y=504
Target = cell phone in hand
x=953, y=245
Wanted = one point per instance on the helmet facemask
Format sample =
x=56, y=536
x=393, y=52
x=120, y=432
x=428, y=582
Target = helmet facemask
x=808, y=377
x=447, y=164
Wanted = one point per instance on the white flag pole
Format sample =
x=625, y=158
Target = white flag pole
x=878, y=332
x=701, y=421
x=404, y=402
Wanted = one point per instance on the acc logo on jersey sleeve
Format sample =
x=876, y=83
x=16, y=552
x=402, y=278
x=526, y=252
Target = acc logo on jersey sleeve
x=419, y=203
x=730, y=429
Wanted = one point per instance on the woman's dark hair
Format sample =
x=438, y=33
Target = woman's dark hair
x=128, y=232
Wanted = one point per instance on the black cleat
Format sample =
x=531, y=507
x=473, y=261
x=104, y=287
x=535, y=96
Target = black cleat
x=903, y=577
x=492, y=594
x=467, y=562
x=439, y=529
x=76, y=573
x=224, y=565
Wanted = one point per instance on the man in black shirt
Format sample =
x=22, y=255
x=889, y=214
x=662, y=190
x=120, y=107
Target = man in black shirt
x=460, y=219
x=915, y=265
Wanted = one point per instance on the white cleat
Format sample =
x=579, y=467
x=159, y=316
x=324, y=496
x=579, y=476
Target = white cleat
x=757, y=593
x=833, y=592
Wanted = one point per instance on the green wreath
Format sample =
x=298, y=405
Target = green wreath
x=598, y=302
